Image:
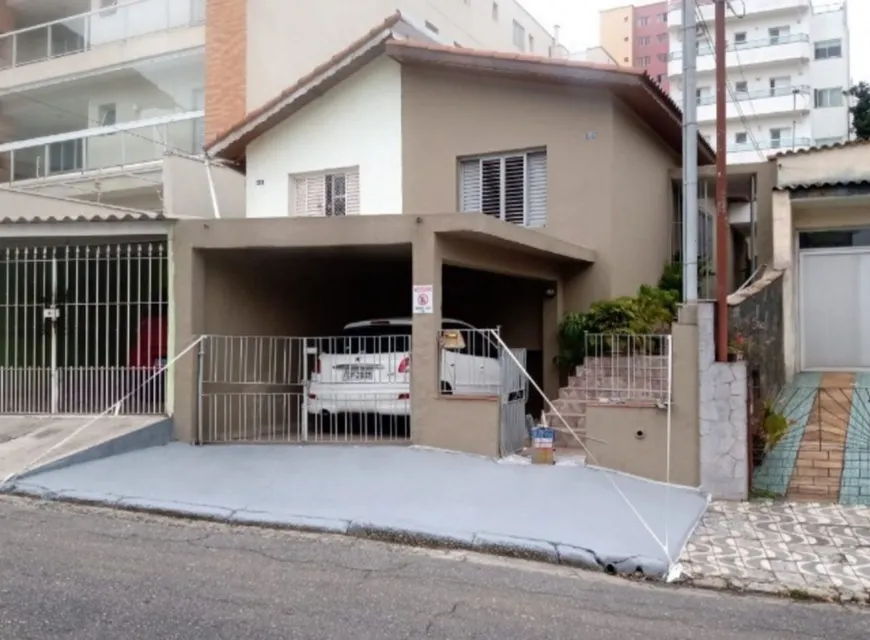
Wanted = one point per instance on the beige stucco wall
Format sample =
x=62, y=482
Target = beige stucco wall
x=837, y=164
x=607, y=173
x=186, y=191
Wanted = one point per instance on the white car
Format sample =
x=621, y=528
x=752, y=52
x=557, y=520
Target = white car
x=367, y=370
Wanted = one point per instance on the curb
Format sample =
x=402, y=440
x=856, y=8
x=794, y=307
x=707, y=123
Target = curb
x=750, y=588
x=481, y=542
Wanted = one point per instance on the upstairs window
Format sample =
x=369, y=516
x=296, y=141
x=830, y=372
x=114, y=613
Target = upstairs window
x=331, y=193
x=519, y=36
x=827, y=49
x=825, y=98
x=511, y=187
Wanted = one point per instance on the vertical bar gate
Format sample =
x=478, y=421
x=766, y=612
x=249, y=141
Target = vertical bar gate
x=81, y=327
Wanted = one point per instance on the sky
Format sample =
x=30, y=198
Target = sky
x=578, y=20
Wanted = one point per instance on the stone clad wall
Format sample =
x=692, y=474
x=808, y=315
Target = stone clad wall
x=756, y=314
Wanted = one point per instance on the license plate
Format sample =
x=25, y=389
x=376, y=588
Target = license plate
x=353, y=375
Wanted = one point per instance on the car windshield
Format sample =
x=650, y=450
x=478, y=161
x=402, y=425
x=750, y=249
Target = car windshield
x=373, y=338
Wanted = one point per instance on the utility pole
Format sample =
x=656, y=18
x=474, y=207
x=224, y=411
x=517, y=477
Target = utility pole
x=721, y=189
x=689, y=213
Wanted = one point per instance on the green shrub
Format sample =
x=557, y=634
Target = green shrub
x=775, y=425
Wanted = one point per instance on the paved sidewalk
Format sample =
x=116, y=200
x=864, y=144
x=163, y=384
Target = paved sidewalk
x=819, y=550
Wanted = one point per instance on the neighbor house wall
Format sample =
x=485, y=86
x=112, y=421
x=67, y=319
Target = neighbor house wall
x=186, y=191
x=357, y=124
x=616, y=33
x=276, y=32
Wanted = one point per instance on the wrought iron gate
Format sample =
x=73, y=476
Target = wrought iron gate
x=82, y=327
x=514, y=393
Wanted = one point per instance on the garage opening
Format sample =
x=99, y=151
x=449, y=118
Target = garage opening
x=513, y=307
x=306, y=345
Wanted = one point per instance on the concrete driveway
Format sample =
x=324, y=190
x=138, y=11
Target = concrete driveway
x=570, y=514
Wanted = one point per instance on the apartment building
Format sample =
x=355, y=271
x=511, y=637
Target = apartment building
x=258, y=48
x=787, y=74
x=638, y=36
x=94, y=92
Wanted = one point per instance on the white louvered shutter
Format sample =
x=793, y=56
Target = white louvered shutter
x=491, y=187
x=469, y=186
x=310, y=196
x=351, y=185
x=514, y=190
x=537, y=189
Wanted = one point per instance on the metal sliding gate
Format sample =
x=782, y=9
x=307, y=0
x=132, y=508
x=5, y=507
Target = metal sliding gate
x=514, y=394
x=82, y=326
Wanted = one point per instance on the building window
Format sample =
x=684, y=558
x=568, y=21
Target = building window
x=495, y=10
x=431, y=27
x=825, y=98
x=741, y=87
x=779, y=136
x=662, y=57
x=827, y=49
x=777, y=34
x=642, y=61
x=741, y=137
x=663, y=37
x=65, y=156
x=643, y=21
x=519, y=36
x=740, y=38
x=332, y=193
x=642, y=41
x=512, y=187
x=663, y=17
x=107, y=114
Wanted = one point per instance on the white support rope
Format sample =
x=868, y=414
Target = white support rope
x=114, y=409
x=622, y=495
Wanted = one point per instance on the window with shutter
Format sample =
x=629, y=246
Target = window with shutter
x=332, y=193
x=511, y=187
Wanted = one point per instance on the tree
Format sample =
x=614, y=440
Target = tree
x=861, y=110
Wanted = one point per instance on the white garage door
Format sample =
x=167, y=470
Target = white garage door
x=835, y=308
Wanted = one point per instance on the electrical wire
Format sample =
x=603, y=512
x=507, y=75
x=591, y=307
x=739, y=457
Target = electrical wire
x=732, y=93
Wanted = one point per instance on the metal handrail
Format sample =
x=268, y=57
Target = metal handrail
x=759, y=94
x=770, y=41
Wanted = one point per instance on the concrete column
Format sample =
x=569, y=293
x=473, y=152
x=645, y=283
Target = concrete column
x=188, y=289
x=426, y=266
x=553, y=311
x=783, y=259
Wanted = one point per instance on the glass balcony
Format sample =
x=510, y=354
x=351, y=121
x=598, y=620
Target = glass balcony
x=764, y=102
x=761, y=51
x=103, y=148
x=86, y=31
x=774, y=145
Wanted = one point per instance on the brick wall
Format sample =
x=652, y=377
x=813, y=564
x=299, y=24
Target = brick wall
x=225, y=64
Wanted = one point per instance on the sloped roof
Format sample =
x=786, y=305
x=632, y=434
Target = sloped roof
x=398, y=39
x=826, y=184
x=24, y=207
x=823, y=147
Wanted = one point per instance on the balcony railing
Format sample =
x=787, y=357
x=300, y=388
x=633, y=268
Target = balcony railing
x=85, y=31
x=760, y=94
x=771, y=41
x=783, y=144
x=101, y=148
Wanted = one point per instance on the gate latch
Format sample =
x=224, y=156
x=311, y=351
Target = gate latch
x=50, y=313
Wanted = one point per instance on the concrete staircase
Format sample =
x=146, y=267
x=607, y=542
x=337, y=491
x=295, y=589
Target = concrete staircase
x=606, y=380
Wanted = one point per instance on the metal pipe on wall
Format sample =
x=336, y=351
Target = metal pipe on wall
x=690, y=154
x=721, y=190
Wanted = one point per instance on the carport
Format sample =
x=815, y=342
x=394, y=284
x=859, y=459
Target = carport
x=247, y=285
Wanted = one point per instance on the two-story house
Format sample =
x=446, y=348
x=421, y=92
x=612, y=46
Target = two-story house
x=511, y=188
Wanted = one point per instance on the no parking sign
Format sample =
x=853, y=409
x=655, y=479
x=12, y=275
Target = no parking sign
x=423, y=298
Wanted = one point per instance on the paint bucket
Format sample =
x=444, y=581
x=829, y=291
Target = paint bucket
x=543, y=445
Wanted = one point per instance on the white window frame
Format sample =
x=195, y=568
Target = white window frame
x=826, y=46
x=821, y=102
x=313, y=189
x=519, y=36
x=534, y=214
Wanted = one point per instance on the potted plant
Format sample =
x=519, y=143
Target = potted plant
x=737, y=348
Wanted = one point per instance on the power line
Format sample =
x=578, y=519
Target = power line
x=706, y=33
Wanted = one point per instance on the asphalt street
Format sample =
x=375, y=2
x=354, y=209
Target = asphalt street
x=76, y=572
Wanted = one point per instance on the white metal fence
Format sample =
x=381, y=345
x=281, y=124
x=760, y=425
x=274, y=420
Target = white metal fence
x=625, y=368
x=351, y=388
x=82, y=326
